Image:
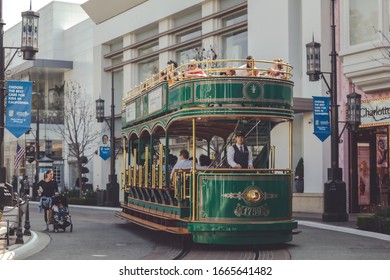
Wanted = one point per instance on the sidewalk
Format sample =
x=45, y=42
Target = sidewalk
x=317, y=217
x=8, y=252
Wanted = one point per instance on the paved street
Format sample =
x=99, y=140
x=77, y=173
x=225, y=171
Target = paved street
x=97, y=234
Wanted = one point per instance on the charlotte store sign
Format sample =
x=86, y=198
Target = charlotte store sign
x=375, y=112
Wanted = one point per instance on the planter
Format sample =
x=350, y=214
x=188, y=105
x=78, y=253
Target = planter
x=374, y=223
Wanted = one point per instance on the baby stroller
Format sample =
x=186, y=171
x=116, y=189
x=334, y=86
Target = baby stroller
x=61, y=219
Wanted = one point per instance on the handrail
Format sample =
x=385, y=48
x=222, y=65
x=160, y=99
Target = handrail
x=214, y=69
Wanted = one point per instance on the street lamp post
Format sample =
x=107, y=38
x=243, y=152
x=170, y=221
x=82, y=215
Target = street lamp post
x=334, y=188
x=37, y=151
x=29, y=46
x=112, y=192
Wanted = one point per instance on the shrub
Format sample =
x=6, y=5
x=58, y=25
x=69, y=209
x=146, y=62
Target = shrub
x=87, y=198
x=377, y=222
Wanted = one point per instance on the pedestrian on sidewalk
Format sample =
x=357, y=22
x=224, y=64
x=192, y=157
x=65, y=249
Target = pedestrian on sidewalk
x=46, y=190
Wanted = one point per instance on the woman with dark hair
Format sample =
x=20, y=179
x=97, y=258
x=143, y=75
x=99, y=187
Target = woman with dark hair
x=249, y=68
x=170, y=73
x=47, y=188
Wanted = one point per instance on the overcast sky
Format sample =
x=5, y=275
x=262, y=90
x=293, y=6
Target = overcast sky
x=12, y=9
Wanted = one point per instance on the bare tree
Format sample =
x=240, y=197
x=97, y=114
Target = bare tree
x=78, y=130
x=383, y=47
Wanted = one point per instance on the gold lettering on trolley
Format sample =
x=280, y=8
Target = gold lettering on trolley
x=252, y=195
x=248, y=211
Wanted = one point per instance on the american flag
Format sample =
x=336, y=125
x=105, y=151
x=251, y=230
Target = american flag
x=20, y=151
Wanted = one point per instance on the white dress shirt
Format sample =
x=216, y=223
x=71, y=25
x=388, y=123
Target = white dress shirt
x=230, y=156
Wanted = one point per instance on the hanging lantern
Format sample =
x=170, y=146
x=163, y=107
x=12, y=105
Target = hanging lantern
x=30, y=24
x=354, y=102
x=100, y=110
x=313, y=60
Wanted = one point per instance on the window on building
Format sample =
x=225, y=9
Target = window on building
x=237, y=17
x=118, y=90
x=235, y=45
x=146, y=32
x=56, y=148
x=147, y=69
x=147, y=49
x=116, y=46
x=186, y=17
x=189, y=34
x=183, y=56
x=225, y=4
x=364, y=19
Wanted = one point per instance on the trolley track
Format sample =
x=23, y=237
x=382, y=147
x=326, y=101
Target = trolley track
x=183, y=249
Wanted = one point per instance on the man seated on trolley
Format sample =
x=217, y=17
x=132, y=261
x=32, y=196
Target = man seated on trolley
x=183, y=162
x=238, y=155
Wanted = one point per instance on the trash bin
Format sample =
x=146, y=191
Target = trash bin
x=101, y=197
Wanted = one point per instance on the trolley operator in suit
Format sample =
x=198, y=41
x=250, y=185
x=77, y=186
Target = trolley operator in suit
x=238, y=155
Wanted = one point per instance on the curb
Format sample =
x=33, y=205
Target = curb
x=359, y=232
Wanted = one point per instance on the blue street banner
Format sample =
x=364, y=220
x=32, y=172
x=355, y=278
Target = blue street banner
x=321, y=117
x=18, y=113
x=104, y=146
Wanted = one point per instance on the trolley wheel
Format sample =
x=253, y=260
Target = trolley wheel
x=71, y=228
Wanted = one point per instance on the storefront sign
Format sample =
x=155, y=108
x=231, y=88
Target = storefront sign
x=375, y=112
x=321, y=117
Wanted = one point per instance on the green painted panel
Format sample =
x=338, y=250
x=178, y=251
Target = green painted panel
x=278, y=92
x=213, y=91
x=180, y=95
x=227, y=196
x=182, y=212
x=250, y=92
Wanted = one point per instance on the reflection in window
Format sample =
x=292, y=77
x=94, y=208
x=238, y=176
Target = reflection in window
x=225, y=4
x=235, y=45
x=194, y=33
x=363, y=20
x=187, y=17
x=241, y=16
x=148, y=49
x=116, y=46
x=147, y=69
x=146, y=32
x=184, y=56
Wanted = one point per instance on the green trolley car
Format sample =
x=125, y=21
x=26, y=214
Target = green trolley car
x=214, y=204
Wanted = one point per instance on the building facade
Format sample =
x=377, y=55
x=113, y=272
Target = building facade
x=113, y=48
x=365, y=68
